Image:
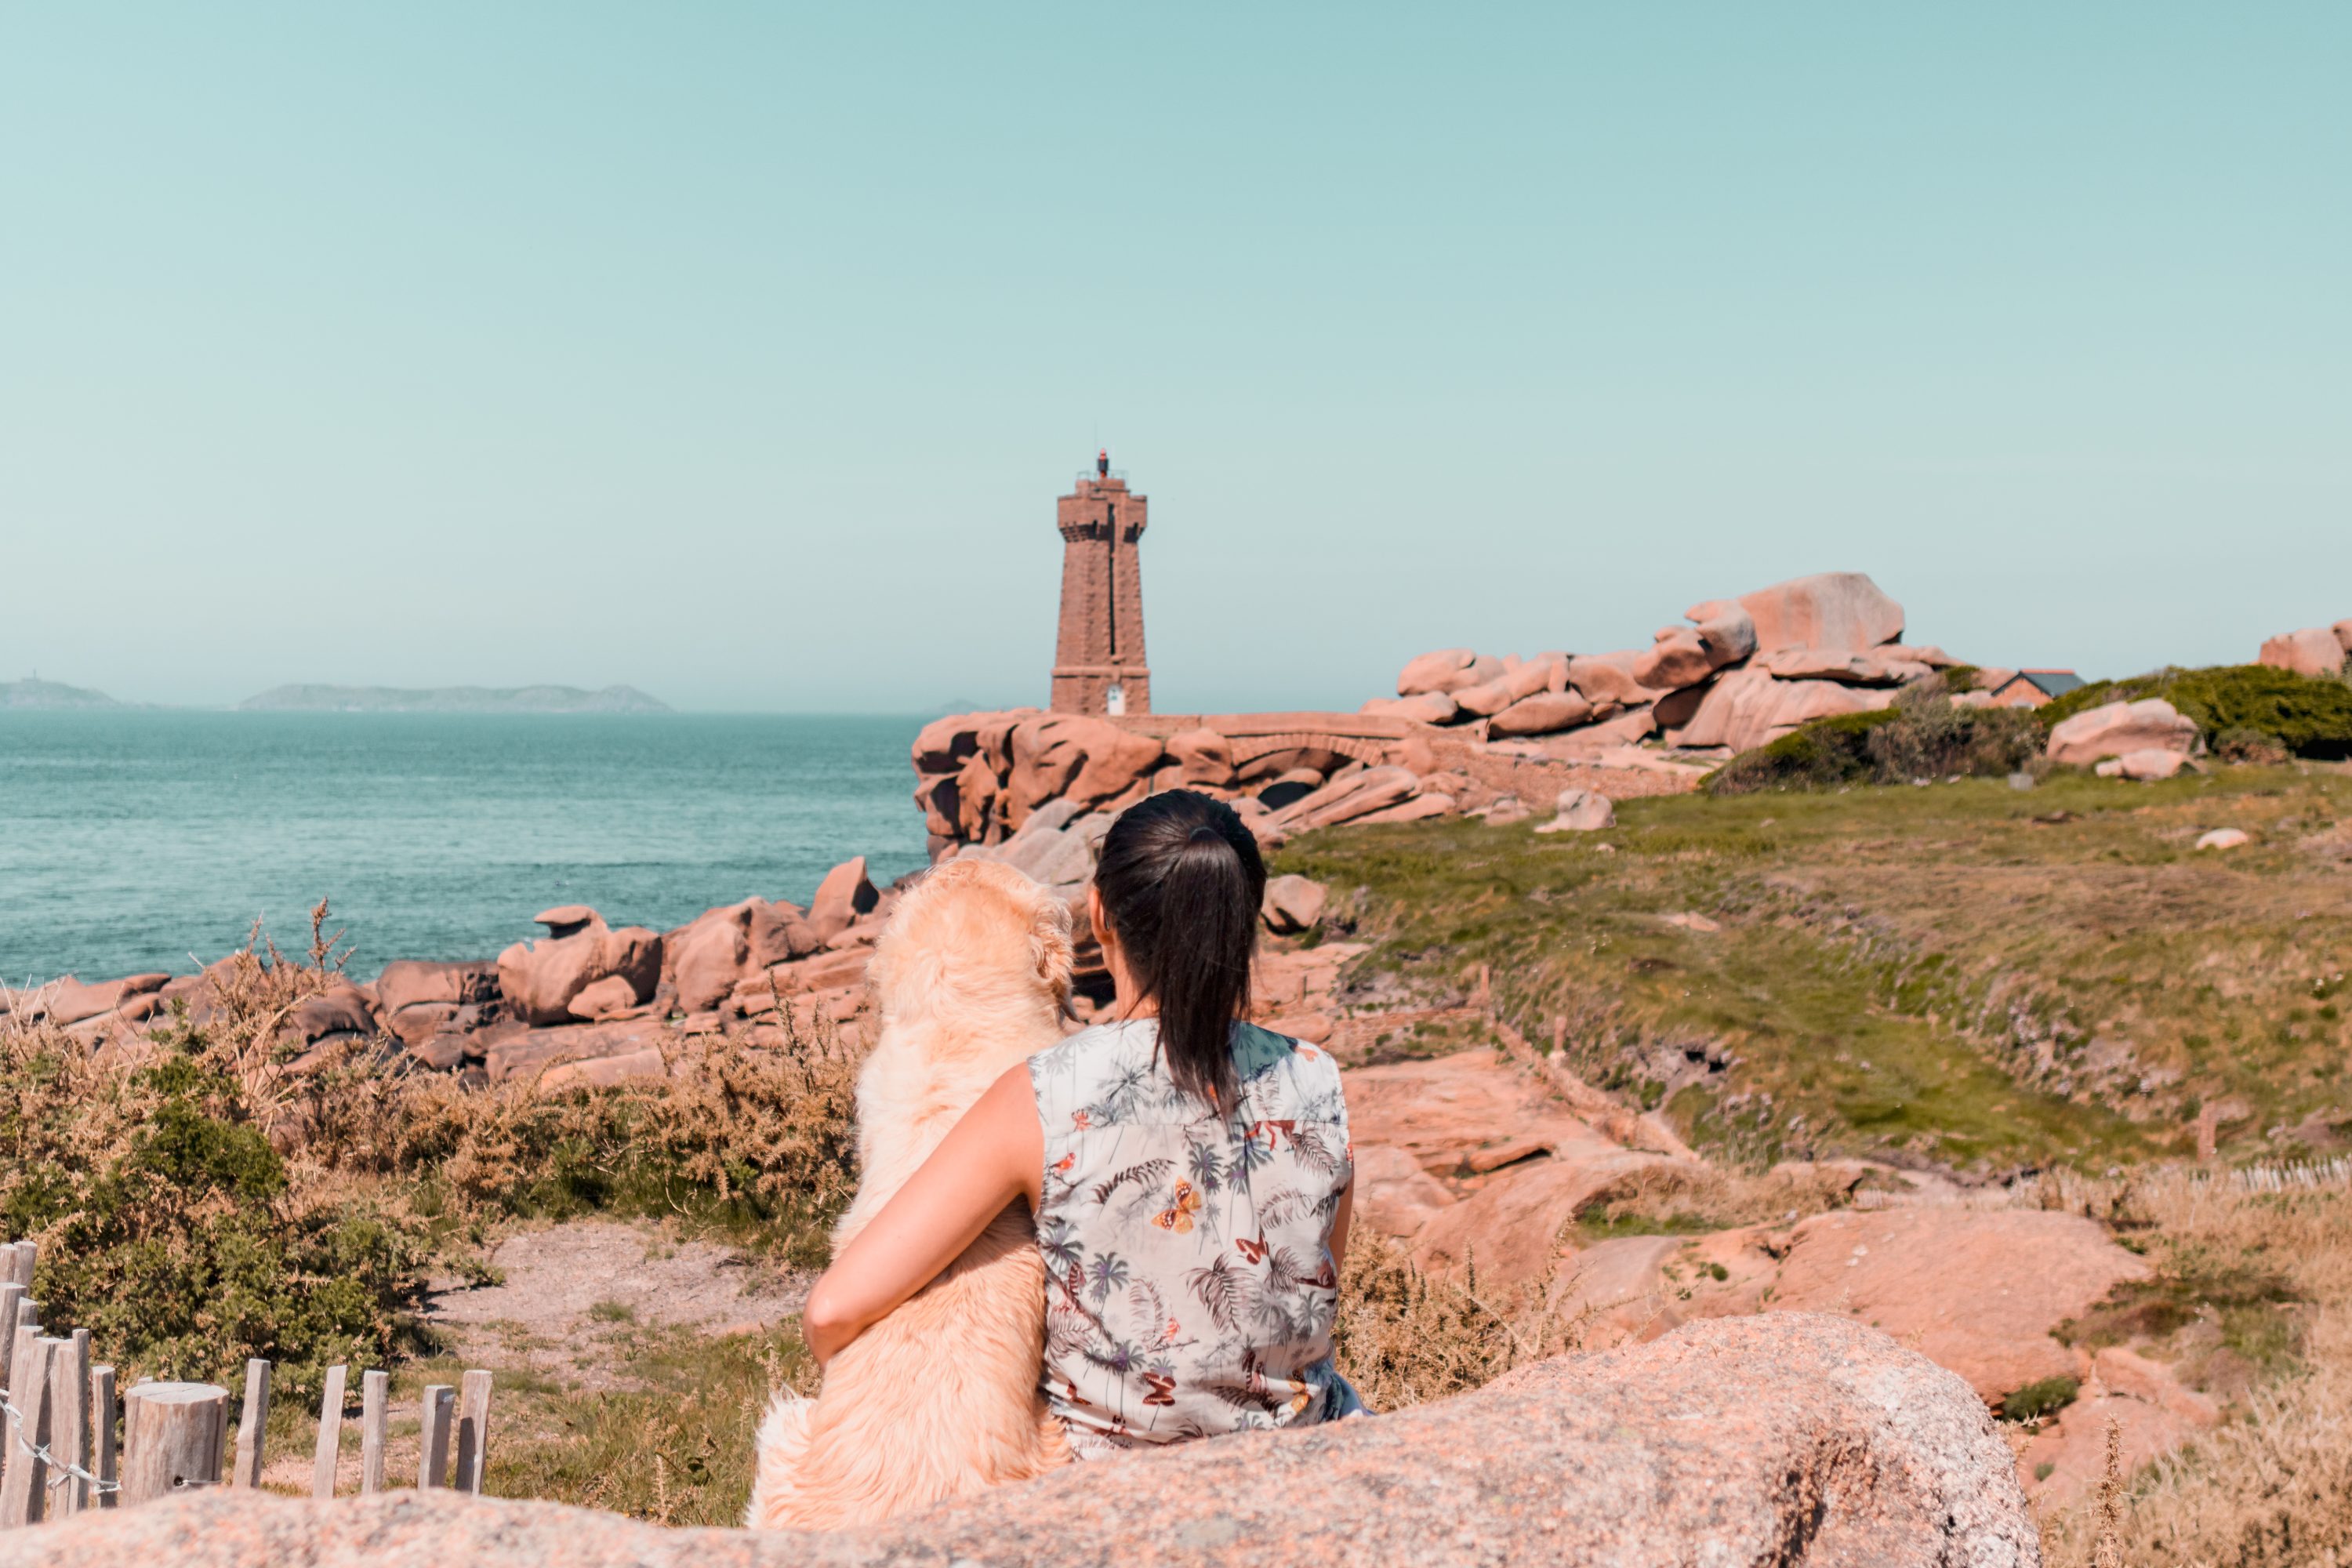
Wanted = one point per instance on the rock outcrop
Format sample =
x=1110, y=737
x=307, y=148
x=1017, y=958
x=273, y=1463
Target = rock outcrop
x=2313, y=650
x=1742, y=672
x=538, y=979
x=1778, y=1440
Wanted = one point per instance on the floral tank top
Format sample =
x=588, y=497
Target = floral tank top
x=1190, y=1285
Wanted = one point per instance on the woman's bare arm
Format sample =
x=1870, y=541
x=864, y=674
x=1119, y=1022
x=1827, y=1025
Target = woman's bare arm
x=1339, y=1218
x=989, y=1159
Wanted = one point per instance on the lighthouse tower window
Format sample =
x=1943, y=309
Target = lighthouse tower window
x=1115, y=699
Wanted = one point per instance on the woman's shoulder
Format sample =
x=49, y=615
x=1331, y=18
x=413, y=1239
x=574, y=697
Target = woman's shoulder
x=1272, y=1065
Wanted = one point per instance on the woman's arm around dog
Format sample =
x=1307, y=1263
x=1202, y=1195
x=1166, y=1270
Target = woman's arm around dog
x=992, y=1158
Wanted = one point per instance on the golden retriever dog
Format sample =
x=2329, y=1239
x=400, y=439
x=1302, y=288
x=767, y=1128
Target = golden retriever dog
x=940, y=1397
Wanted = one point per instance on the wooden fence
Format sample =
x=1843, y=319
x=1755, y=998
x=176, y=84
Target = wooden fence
x=58, y=1447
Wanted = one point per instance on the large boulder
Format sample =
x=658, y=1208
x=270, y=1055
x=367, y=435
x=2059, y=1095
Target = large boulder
x=846, y=893
x=1872, y=667
x=1725, y=630
x=1543, y=673
x=1346, y=799
x=538, y=979
x=2118, y=728
x=338, y=1012
x=1092, y=761
x=1581, y=811
x=704, y=958
x=1206, y=757
x=1541, y=713
x=415, y=981
x=1423, y=708
x=68, y=1000
x=1609, y=677
x=1676, y=660
x=1292, y=903
x=2315, y=650
x=1976, y=1290
x=1747, y=707
x=1829, y=609
x=1778, y=1440
x=417, y=999
x=1447, y=670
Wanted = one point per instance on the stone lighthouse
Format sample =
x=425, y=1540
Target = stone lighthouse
x=1098, y=666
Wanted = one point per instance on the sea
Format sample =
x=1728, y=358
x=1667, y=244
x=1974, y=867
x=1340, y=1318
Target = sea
x=139, y=840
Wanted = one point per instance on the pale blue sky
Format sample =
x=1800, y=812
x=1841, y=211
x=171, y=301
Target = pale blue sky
x=739, y=352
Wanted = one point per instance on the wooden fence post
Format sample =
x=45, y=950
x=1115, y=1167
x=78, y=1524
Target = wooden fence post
x=252, y=1425
x=18, y=1391
x=473, y=1431
x=10, y=1294
x=375, y=1397
x=21, y=1257
x=331, y=1434
x=101, y=1432
x=171, y=1438
x=69, y=1424
x=433, y=1450
x=23, y=1485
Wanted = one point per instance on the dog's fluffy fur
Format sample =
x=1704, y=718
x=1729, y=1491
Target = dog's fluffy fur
x=941, y=1396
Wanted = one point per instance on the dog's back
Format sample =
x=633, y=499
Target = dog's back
x=940, y=1397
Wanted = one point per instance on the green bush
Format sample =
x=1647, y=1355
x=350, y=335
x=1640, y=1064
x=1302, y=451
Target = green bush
x=2038, y=1400
x=1921, y=736
x=173, y=1231
x=2243, y=709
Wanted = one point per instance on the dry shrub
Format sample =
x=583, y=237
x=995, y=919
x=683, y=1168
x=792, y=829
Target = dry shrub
x=198, y=1202
x=1405, y=1338
x=761, y=1139
x=173, y=1229
x=2273, y=1487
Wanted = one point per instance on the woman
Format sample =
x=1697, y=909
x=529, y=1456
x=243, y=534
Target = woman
x=1190, y=1173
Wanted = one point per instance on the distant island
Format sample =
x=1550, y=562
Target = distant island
x=452, y=700
x=35, y=692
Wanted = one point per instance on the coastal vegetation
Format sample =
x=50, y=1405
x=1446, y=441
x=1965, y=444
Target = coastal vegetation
x=2243, y=712
x=1963, y=975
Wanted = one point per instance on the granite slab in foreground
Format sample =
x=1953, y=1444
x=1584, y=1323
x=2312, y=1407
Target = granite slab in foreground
x=1783, y=1438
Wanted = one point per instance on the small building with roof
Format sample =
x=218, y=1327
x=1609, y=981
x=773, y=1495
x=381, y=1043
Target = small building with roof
x=2032, y=688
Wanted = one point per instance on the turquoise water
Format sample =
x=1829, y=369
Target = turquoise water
x=133, y=841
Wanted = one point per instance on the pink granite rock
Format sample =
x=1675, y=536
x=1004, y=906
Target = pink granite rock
x=1424, y=708
x=1737, y=1444
x=1829, y=610
x=2119, y=728
x=1440, y=671
x=1608, y=677
x=1203, y=757
x=844, y=895
x=1673, y=662
x=539, y=979
x=1725, y=631
x=1346, y=799
x=1541, y=713
x=2313, y=650
x=1091, y=761
x=409, y=982
x=1292, y=903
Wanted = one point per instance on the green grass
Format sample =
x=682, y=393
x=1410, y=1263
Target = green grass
x=672, y=1443
x=1963, y=973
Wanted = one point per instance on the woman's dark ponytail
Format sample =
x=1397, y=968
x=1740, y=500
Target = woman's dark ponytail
x=1180, y=880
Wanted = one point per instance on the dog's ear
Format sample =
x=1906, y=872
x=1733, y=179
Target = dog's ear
x=1049, y=944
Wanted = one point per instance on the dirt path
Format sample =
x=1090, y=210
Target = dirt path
x=566, y=1287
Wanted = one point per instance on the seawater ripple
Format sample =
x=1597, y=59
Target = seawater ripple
x=133, y=841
